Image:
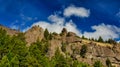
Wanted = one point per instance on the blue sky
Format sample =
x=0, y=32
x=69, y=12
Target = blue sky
x=91, y=18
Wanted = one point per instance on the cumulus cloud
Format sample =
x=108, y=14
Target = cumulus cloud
x=76, y=11
x=105, y=31
x=70, y=26
x=118, y=41
x=58, y=23
x=56, y=19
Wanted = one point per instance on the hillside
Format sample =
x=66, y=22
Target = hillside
x=9, y=31
x=38, y=47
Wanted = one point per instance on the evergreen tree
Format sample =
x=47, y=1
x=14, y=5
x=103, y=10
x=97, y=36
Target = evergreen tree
x=83, y=37
x=100, y=39
x=111, y=41
x=46, y=34
x=83, y=50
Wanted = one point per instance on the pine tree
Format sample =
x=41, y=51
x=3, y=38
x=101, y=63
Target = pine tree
x=46, y=34
x=83, y=50
x=100, y=39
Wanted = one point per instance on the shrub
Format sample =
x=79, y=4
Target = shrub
x=63, y=47
x=83, y=50
x=108, y=63
x=98, y=64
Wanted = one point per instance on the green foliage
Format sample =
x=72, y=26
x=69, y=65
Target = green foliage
x=59, y=60
x=100, y=39
x=111, y=41
x=50, y=36
x=98, y=64
x=42, y=46
x=14, y=61
x=54, y=33
x=79, y=64
x=63, y=47
x=83, y=37
x=4, y=62
x=46, y=34
x=83, y=50
x=108, y=63
x=38, y=51
x=14, y=53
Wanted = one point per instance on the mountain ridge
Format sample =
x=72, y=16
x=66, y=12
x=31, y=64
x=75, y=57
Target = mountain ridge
x=73, y=44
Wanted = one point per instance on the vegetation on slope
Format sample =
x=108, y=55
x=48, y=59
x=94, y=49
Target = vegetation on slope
x=14, y=53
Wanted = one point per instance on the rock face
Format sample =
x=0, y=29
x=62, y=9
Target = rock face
x=64, y=32
x=71, y=34
x=34, y=34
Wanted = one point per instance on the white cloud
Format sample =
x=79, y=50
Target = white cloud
x=70, y=26
x=76, y=11
x=56, y=19
x=105, y=31
x=118, y=41
x=58, y=23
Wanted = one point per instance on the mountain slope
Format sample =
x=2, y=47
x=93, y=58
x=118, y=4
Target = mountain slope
x=10, y=31
x=70, y=45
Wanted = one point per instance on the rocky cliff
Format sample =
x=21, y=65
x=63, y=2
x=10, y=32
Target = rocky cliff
x=73, y=44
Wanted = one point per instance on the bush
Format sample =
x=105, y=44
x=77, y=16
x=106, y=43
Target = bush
x=83, y=51
x=79, y=64
x=63, y=47
x=98, y=64
x=108, y=63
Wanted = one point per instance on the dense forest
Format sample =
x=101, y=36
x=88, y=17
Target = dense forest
x=15, y=53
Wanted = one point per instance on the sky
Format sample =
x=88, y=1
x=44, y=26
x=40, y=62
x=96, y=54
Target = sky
x=91, y=18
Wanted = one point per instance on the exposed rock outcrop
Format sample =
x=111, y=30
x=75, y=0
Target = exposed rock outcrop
x=64, y=32
x=34, y=34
